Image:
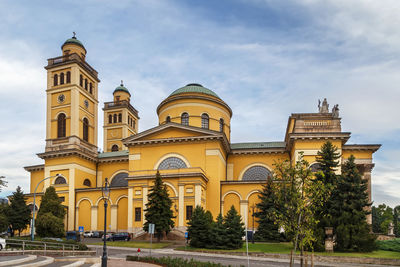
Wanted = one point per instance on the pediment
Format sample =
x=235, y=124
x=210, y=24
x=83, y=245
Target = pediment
x=171, y=131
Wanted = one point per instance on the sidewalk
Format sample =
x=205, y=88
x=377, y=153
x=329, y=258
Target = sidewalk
x=123, y=263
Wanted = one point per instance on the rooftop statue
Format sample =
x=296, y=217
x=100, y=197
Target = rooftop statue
x=325, y=106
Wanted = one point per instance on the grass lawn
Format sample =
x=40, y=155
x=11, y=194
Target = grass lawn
x=285, y=248
x=133, y=244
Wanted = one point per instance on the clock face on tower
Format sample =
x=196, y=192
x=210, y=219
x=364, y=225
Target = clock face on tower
x=61, y=98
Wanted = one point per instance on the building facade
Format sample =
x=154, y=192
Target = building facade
x=190, y=147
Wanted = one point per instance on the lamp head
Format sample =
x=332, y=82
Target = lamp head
x=106, y=189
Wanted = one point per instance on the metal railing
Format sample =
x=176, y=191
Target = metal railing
x=25, y=245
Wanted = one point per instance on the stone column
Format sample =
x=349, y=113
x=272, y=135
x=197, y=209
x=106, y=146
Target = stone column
x=130, y=210
x=93, y=219
x=114, y=217
x=181, y=204
x=77, y=217
x=366, y=171
x=243, y=211
x=197, y=195
x=144, y=192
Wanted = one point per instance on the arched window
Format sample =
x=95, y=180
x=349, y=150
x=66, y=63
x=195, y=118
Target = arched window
x=221, y=125
x=86, y=84
x=110, y=118
x=115, y=118
x=114, y=148
x=133, y=124
x=119, y=180
x=81, y=80
x=168, y=119
x=204, y=121
x=172, y=163
x=315, y=167
x=68, y=77
x=185, y=118
x=87, y=182
x=85, y=129
x=55, y=80
x=129, y=121
x=60, y=180
x=256, y=173
x=119, y=117
x=62, y=78
x=91, y=88
x=61, y=123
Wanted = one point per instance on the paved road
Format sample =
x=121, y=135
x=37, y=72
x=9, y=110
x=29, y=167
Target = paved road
x=232, y=260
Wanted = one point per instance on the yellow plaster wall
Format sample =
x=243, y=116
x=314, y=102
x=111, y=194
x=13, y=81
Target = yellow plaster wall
x=54, y=114
x=67, y=99
x=253, y=200
x=100, y=216
x=241, y=162
x=229, y=201
x=36, y=176
x=73, y=48
x=80, y=177
x=109, y=170
x=84, y=215
x=122, y=221
x=357, y=154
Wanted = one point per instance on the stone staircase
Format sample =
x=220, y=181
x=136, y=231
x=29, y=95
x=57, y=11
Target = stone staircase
x=34, y=260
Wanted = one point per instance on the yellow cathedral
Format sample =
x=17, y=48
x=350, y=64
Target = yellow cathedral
x=190, y=146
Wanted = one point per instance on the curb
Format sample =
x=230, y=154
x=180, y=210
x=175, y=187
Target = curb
x=18, y=261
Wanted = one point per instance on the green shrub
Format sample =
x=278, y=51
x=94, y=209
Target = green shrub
x=391, y=245
x=174, y=262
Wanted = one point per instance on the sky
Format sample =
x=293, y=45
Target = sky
x=266, y=59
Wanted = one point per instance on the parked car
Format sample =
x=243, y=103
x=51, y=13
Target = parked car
x=88, y=234
x=108, y=236
x=121, y=236
x=97, y=234
x=2, y=243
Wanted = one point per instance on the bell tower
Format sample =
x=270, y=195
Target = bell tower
x=120, y=120
x=72, y=91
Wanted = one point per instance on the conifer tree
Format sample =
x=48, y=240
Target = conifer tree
x=19, y=214
x=328, y=159
x=158, y=209
x=219, y=233
x=3, y=182
x=200, y=228
x=396, y=219
x=350, y=200
x=4, y=208
x=267, y=229
x=234, y=229
x=50, y=217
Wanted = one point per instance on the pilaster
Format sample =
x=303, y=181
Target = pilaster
x=181, y=204
x=71, y=200
x=243, y=211
x=93, y=221
x=145, y=192
x=114, y=217
x=130, y=209
x=197, y=195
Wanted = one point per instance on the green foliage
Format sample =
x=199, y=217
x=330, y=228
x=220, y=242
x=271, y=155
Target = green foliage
x=158, y=209
x=51, y=203
x=234, y=229
x=48, y=225
x=3, y=182
x=350, y=200
x=267, y=228
x=174, y=262
x=50, y=217
x=200, y=228
x=4, y=223
x=329, y=159
x=396, y=221
x=19, y=214
x=390, y=245
x=382, y=216
x=298, y=198
x=219, y=233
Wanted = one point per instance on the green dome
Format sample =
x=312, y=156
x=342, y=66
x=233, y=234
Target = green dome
x=194, y=88
x=73, y=40
x=121, y=88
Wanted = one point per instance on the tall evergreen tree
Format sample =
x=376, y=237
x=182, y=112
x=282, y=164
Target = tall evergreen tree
x=376, y=221
x=50, y=217
x=234, y=229
x=267, y=229
x=200, y=227
x=219, y=233
x=396, y=219
x=328, y=159
x=350, y=200
x=19, y=214
x=158, y=208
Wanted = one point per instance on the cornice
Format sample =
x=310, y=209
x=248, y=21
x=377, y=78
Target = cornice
x=258, y=151
x=66, y=153
x=362, y=147
x=170, y=175
x=114, y=159
x=244, y=182
x=33, y=168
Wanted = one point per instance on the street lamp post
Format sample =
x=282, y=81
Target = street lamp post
x=106, y=194
x=34, y=206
